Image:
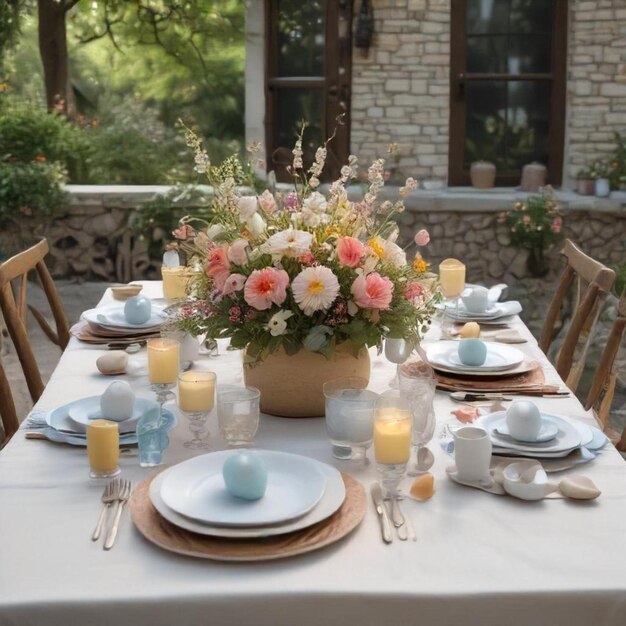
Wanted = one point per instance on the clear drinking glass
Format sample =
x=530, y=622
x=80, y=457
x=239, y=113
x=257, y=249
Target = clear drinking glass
x=350, y=417
x=238, y=414
x=196, y=398
x=392, y=439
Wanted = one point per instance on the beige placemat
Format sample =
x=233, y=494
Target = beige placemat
x=169, y=537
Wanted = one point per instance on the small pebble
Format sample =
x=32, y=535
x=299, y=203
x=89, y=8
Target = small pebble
x=471, y=330
x=423, y=487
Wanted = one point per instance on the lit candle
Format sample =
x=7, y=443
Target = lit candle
x=452, y=277
x=175, y=281
x=163, y=361
x=392, y=436
x=103, y=448
x=196, y=391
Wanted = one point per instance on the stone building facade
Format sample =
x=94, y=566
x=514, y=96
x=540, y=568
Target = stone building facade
x=401, y=87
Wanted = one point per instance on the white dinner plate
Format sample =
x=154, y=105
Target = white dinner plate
x=60, y=417
x=195, y=488
x=334, y=495
x=84, y=411
x=549, y=431
x=496, y=311
x=567, y=438
x=500, y=358
x=112, y=316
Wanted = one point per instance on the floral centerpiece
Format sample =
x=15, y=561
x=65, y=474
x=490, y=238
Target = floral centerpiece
x=302, y=271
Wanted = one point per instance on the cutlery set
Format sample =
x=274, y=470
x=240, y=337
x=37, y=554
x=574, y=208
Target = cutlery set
x=115, y=495
x=391, y=516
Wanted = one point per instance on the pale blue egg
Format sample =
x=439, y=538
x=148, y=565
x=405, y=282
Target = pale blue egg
x=137, y=310
x=245, y=475
x=472, y=352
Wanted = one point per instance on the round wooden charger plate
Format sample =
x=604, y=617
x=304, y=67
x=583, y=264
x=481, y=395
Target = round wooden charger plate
x=170, y=537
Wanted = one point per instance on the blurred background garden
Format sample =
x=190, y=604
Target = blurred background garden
x=102, y=107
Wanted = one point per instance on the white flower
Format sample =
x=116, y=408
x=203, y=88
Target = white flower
x=256, y=225
x=278, y=323
x=214, y=231
x=234, y=282
x=315, y=289
x=267, y=202
x=394, y=254
x=315, y=203
x=311, y=219
x=289, y=242
x=247, y=207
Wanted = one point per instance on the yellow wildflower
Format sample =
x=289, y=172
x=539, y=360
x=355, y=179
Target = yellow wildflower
x=419, y=265
x=377, y=248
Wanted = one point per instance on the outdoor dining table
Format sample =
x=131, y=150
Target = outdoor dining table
x=478, y=559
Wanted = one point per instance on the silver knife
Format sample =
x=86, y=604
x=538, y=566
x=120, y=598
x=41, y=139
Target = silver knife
x=397, y=517
x=379, y=503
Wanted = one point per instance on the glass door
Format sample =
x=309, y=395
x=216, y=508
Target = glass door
x=308, y=79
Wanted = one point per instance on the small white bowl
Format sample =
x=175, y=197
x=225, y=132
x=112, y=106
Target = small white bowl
x=537, y=489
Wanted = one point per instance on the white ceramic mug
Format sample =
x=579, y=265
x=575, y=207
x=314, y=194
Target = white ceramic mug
x=472, y=454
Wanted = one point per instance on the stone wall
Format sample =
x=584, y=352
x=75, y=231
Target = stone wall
x=400, y=90
x=596, y=92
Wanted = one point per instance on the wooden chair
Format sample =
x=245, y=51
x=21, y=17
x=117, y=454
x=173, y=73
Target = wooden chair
x=18, y=267
x=594, y=281
x=602, y=390
x=8, y=414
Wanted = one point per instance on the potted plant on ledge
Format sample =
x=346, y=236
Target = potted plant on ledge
x=536, y=225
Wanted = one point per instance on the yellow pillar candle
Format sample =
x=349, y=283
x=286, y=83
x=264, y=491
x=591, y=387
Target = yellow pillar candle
x=175, y=281
x=103, y=447
x=196, y=391
x=452, y=277
x=392, y=436
x=163, y=361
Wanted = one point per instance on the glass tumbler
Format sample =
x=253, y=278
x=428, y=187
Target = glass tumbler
x=350, y=417
x=238, y=414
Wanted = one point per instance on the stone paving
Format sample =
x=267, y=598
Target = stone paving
x=77, y=297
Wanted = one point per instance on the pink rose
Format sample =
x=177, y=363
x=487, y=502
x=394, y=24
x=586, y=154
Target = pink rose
x=372, y=291
x=350, y=251
x=234, y=282
x=421, y=237
x=267, y=202
x=237, y=253
x=306, y=258
x=184, y=232
x=526, y=219
x=555, y=227
x=218, y=265
x=413, y=290
x=266, y=287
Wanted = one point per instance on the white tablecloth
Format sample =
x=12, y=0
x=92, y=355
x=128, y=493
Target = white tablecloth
x=480, y=559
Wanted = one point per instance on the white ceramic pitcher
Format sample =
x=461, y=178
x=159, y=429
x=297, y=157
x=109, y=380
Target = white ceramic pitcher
x=472, y=454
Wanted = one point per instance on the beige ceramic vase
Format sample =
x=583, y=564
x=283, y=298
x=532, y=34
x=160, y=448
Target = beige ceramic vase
x=291, y=386
x=483, y=174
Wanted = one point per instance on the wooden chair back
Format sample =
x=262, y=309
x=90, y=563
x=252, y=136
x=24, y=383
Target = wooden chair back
x=8, y=414
x=14, y=310
x=593, y=283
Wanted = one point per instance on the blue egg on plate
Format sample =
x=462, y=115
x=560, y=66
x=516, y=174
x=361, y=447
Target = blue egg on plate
x=137, y=310
x=472, y=352
x=245, y=475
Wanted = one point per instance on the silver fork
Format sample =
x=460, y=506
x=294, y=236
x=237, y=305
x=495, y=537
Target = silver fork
x=109, y=496
x=122, y=499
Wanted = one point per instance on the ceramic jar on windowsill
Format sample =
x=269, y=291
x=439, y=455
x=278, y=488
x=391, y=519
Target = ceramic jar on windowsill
x=603, y=187
x=483, y=174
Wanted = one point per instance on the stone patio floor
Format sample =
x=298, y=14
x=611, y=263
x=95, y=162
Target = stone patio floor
x=77, y=297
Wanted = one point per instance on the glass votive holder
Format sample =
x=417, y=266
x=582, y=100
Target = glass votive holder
x=238, y=414
x=196, y=398
x=392, y=438
x=350, y=416
x=103, y=448
x=175, y=281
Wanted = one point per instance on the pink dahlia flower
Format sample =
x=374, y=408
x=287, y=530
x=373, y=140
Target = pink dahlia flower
x=349, y=251
x=266, y=287
x=372, y=291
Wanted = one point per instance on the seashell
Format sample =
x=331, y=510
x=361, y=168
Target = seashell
x=423, y=487
x=124, y=292
x=112, y=363
x=470, y=330
x=579, y=487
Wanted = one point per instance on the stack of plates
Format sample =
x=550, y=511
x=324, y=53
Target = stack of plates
x=109, y=323
x=502, y=360
x=560, y=436
x=496, y=313
x=300, y=492
x=68, y=423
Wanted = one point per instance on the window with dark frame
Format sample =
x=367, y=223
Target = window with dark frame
x=507, y=96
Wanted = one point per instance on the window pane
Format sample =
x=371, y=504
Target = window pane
x=294, y=106
x=301, y=38
x=531, y=16
x=487, y=16
x=529, y=53
x=507, y=123
x=487, y=54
